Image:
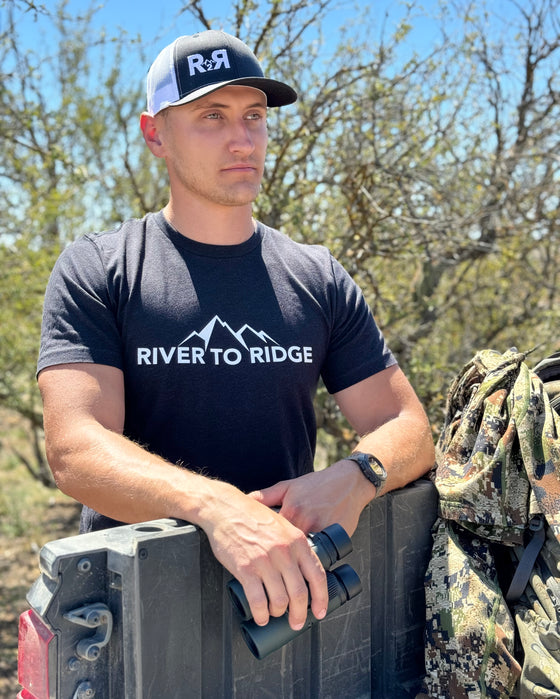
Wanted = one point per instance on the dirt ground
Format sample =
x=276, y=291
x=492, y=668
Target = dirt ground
x=18, y=570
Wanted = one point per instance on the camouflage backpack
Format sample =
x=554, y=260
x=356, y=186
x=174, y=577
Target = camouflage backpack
x=498, y=477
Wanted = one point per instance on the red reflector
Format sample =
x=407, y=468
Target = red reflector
x=33, y=656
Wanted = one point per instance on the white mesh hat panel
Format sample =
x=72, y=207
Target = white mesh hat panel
x=162, y=89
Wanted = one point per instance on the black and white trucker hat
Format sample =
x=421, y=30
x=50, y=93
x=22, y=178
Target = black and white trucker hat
x=194, y=66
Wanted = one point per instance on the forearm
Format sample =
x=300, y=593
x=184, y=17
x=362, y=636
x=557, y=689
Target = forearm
x=404, y=445
x=392, y=424
x=118, y=478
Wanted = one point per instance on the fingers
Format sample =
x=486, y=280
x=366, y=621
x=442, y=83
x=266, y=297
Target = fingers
x=286, y=581
x=307, y=581
x=315, y=500
x=258, y=600
x=272, y=496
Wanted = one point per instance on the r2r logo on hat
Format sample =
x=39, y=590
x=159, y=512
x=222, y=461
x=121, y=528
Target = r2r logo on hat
x=194, y=66
x=218, y=60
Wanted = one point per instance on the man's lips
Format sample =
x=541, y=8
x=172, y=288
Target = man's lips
x=240, y=167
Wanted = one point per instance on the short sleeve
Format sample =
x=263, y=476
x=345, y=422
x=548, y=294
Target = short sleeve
x=357, y=348
x=78, y=316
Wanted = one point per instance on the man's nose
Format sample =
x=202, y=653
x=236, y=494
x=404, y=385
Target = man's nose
x=241, y=138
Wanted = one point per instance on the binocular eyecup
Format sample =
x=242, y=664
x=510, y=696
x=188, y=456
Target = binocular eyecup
x=330, y=545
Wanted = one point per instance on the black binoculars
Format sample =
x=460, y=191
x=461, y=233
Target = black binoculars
x=343, y=583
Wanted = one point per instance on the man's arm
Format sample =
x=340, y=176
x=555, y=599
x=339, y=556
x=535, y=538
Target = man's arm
x=95, y=464
x=386, y=412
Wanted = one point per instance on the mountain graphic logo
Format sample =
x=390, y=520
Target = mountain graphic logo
x=216, y=331
x=219, y=344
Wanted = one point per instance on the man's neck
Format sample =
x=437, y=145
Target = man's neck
x=225, y=225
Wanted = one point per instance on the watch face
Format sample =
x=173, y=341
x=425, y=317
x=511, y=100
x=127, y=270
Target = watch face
x=377, y=468
x=371, y=467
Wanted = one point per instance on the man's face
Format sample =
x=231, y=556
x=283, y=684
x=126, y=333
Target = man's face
x=215, y=147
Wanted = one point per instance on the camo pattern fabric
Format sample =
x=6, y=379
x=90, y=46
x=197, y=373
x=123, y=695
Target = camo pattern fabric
x=471, y=632
x=497, y=464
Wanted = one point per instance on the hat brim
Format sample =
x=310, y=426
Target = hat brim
x=278, y=94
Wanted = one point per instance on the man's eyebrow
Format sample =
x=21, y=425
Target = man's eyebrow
x=218, y=105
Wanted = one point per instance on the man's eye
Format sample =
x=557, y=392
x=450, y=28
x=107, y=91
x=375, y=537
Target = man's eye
x=255, y=116
x=213, y=115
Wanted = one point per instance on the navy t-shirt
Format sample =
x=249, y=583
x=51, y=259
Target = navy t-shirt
x=222, y=347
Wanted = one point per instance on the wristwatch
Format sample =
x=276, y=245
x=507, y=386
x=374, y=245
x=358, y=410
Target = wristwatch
x=371, y=467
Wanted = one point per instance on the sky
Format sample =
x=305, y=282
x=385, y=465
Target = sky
x=148, y=17
x=157, y=22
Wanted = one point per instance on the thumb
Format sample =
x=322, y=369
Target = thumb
x=272, y=496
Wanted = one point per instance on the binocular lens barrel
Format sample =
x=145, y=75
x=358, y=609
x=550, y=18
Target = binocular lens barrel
x=343, y=584
x=331, y=544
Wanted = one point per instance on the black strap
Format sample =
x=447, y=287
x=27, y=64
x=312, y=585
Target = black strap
x=525, y=565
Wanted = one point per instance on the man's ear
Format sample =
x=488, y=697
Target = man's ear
x=151, y=133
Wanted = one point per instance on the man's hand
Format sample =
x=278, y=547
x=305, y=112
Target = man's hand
x=269, y=556
x=314, y=501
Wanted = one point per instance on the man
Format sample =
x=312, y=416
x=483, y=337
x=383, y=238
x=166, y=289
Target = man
x=180, y=354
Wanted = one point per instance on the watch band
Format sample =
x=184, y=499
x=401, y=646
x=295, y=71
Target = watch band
x=371, y=467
